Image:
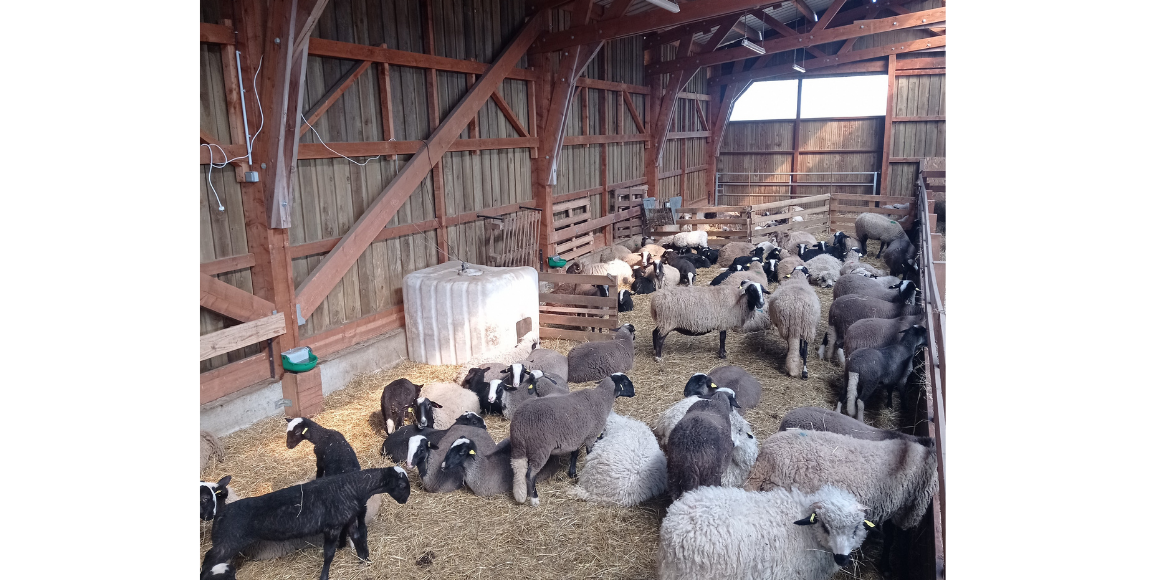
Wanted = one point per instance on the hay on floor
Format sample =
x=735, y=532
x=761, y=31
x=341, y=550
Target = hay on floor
x=459, y=535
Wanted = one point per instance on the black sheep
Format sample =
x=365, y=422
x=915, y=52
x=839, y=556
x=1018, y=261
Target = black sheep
x=334, y=455
x=871, y=369
x=477, y=382
x=806, y=252
x=697, y=260
x=735, y=267
x=398, y=399
x=212, y=497
x=901, y=258
x=711, y=254
x=625, y=301
x=642, y=283
x=333, y=506
x=397, y=444
x=686, y=269
x=745, y=261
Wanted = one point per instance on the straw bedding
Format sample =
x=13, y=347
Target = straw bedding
x=459, y=535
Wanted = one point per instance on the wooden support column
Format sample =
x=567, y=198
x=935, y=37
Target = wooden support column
x=650, y=157
x=888, y=133
x=796, y=138
x=439, y=191
x=234, y=101
x=603, y=125
x=386, y=101
x=473, y=125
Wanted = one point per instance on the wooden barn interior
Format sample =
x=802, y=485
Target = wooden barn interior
x=345, y=144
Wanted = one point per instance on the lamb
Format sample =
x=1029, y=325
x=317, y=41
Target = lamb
x=696, y=260
x=747, y=389
x=651, y=252
x=718, y=533
x=478, y=380
x=870, y=370
x=753, y=273
x=854, y=265
x=397, y=444
x=746, y=446
x=608, y=254
x=625, y=468
x=534, y=383
x=548, y=361
x=434, y=478
x=702, y=309
x=617, y=270
x=213, y=496
x=642, y=283
x=856, y=284
x=787, y=265
x=209, y=448
x=901, y=257
x=334, y=454
x=824, y=270
x=450, y=399
x=731, y=251
x=329, y=506
x=700, y=446
x=686, y=269
x=897, y=479
x=876, y=226
x=595, y=360
x=398, y=398
x=818, y=419
x=686, y=240
x=732, y=269
x=876, y=333
x=666, y=275
x=853, y=307
x=710, y=254
x=625, y=300
x=791, y=240
x=548, y=425
x=744, y=261
x=795, y=312
x=810, y=251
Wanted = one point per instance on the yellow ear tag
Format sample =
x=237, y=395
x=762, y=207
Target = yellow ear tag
x=472, y=452
x=788, y=275
x=714, y=386
x=870, y=524
x=812, y=518
x=305, y=431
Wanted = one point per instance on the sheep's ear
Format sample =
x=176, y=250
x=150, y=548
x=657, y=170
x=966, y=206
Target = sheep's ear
x=288, y=419
x=810, y=520
x=431, y=445
x=223, y=482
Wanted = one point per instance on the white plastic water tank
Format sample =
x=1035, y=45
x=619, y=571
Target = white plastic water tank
x=454, y=314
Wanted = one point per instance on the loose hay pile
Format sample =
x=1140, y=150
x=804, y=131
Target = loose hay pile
x=459, y=535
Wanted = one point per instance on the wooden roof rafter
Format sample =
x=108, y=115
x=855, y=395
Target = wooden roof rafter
x=786, y=71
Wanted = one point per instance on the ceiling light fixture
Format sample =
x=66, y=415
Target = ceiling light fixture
x=665, y=5
x=749, y=44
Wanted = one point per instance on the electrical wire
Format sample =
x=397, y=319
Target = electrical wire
x=248, y=141
x=362, y=164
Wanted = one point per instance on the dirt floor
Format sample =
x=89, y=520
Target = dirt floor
x=459, y=535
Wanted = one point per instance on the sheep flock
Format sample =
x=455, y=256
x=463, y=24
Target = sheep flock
x=577, y=531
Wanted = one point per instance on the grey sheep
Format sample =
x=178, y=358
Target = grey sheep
x=746, y=445
x=700, y=446
x=595, y=360
x=854, y=265
x=870, y=370
x=440, y=404
x=487, y=473
x=438, y=480
x=703, y=309
x=716, y=533
x=795, y=310
x=732, y=250
x=824, y=270
x=895, y=478
x=901, y=258
x=872, y=226
x=532, y=384
x=865, y=286
x=549, y=426
x=666, y=275
x=549, y=361
x=853, y=307
x=790, y=240
x=748, y=390
x=876, y=333
x=818, y=419
x=626, y=466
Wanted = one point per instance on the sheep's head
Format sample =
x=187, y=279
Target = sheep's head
x=297, y=431
x=622, y=385
x=755, y=294
x=699, y=384
x=474, y=377
x=799, y=270
x=424, y=412
x=517, y=375
x=211, y=497
x=471, y=419
x=838, y=523
x=914, y=337
x=461, y=450
x=628, y=328
x=574, y=268
x=417, y=451
x=396, y=483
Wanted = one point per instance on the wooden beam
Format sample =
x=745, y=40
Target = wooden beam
x=805, y=9
x=385, y=101
x=333, y=94
x=796, y=133
x=508, y=114
x=240, y=335
x=633, y=112
x=888, y=132
x=687, y=134
x=702, y=117
x=827, y=17
x=373, y=148
x=783, y=30
x=831, y=65
x=920, y=119
x=611, y=86
x=324, y=246
x=351, y=51
x=313, y=15
x=643, y=23
x=922, y=62
x=775, y=45
x=921, y=71
x=438, y=189
x=227, y=264
x=600, y=139
x=364, y=328
x=216, y=33
x=329, y=271
x=219, y=296
x=234, y=376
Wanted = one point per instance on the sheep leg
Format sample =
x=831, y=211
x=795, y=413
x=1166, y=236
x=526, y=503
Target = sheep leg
x=722, y=344
x=860, y=410
x=573, y=462
x=881, y=247
x=889, y=537
x=658, y=339
x=221, y=553
x=851, y=401
x=531, y=477
x=804, y=359
x=821, y=349
x=359, y=535
x=331, y=537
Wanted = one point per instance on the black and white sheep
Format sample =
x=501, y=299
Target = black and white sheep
x=748, y=390
x=643, y=283
x=853, y=307
x=329, y=506
x=479, y=380
x=696, y=260
x=213, y=496
x=818, y=419
x=854, y=265
x=595, y=360
x=807, y=252
x=549, y=426
x=513, y=391
x=666, y=275
x=486, y=473
x=429, y=457
x=746, y=445
x=790, y=241
x=872, y=226
x=857, y=284
x=398, y=399
x=686, y=269
x=334, y=454
x=711, y=255
x=869, y=370
x=876, y=333
x=700, y=446
x=795, y=311
x=397, y=444
x=440, y=404
x=625, y=468
x=625, y=300
x=703, y=309
x=723, y=533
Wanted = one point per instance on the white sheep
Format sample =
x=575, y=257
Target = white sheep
x=795, y=311
x=445, y=402
x=626, y=467
x=712, y=533
x=686, y=240
x=824, y=270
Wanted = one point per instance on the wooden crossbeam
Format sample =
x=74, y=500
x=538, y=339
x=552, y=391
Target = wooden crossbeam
x=372, y=148
x=508, y=114
x=633, y=112
x=329, y=271
x=314, y=15
x=333, y=94
x=831, y=63
x=221, y=297
x=241, y=335
x=782, y=29
x=827, y=17
x=805, y=9
x=611, y=86
x=216, y=33
x=228, y=264
x=351, y=51
x=804, y=40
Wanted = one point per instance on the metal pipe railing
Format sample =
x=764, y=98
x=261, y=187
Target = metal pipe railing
x=792, y=184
